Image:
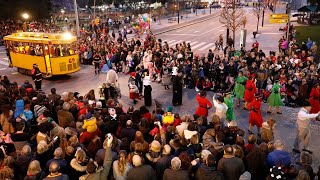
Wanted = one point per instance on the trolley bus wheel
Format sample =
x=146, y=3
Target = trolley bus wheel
x=24, y=71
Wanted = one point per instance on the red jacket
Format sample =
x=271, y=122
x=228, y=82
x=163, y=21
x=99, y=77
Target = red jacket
x=204, y=104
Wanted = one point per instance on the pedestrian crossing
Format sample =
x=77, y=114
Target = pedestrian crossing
x=195, y=45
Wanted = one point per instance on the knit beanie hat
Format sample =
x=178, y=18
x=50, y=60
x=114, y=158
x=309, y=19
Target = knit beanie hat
x=169, y=109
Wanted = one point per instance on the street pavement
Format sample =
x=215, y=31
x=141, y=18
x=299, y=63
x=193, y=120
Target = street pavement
x=201, y=37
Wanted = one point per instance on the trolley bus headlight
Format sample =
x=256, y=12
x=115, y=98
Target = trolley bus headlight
x=67, y=36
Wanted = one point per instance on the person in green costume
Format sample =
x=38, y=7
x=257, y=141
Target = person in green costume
x=228, y=100
x=239, y=88
x=274, y=100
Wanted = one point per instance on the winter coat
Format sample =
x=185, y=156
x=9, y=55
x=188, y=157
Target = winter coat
x=7, y=127
x=90, y=125
x=209, y=141
x=267, y=133
x=38, y=176
x=208, y=173
x=77, y=169
x=279, y=158
x=143, y=172
x=170, y=174
x=65, y=118
x=162, y=164
x=101, y=173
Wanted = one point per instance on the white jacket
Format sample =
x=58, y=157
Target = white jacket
x=221, y=109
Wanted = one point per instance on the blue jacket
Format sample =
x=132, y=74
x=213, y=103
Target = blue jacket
x=279, y=158
x=19, y=108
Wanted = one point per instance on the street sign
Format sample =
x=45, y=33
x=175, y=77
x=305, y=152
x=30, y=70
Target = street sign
x=278, y=18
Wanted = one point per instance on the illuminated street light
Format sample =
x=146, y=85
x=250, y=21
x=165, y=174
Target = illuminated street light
x=25, y=16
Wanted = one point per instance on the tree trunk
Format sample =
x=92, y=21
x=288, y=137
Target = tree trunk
x=258, y=24
x=234, y=37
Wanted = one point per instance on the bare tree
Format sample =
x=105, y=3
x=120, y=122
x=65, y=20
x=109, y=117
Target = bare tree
x=232, y=16
x=257, y=11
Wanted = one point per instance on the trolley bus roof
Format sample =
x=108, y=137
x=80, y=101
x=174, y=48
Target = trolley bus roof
x=46, y=38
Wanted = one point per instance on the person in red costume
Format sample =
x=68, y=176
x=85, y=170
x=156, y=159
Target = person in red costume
x=204, y=104
x=314, y=98
x=250, y=91
x=255, y=118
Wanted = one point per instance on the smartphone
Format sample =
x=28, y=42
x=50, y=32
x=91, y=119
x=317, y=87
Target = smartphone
x=55, y=138
x=109, y=136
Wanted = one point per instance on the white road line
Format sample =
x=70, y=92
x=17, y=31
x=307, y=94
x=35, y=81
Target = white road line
x=192, y=43
x=3, y=52
x=213, y=48
x=210, y=30
x=172, y=44
x=206, y=46
x=4, y=63
x=3, y=69
x=171, y=41
x=198, y=45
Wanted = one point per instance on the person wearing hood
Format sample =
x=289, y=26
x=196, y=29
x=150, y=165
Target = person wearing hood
x=147, y=91
x=92, y=130
x=255, y=118
x=250, y=91
x=228, y=100
x=208, y=170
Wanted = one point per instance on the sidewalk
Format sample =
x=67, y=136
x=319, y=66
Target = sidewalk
x=163, y=25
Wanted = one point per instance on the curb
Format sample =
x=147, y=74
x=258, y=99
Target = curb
x=208, y=17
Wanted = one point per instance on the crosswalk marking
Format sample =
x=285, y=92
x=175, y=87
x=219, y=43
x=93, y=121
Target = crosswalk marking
x=198, y=45
x=206, y=46
x=174, y=43
x=170, y=41
x=192, y=43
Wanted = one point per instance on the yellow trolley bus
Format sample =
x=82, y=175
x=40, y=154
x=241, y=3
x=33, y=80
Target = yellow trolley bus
x=55, y=54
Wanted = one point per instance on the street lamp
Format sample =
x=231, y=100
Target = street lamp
x=25, y=16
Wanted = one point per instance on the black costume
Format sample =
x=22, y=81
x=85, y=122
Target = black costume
x=177, y=90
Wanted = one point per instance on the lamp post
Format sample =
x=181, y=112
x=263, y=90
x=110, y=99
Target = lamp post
x=25, y=16
x=262, y=16
x=77, y=17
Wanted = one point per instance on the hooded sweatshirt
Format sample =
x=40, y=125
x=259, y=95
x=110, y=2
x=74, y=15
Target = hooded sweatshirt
x=90, y=125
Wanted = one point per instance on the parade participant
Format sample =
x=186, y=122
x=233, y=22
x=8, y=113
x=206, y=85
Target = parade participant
x=250, y=91
x=303, y=125
x=239, y=88
x=274, y=100
x=177, y=89
x=133, y=92
x=221, y=107
x=96, y=63
x=168, y=117
x=36, y=76
x=314, y=98
x=255, y=118
x=204, y=104
x=147, y=91
x=228, y=100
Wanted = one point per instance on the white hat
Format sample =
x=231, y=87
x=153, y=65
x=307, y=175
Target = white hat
x=175, y=163
x=188, y=134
